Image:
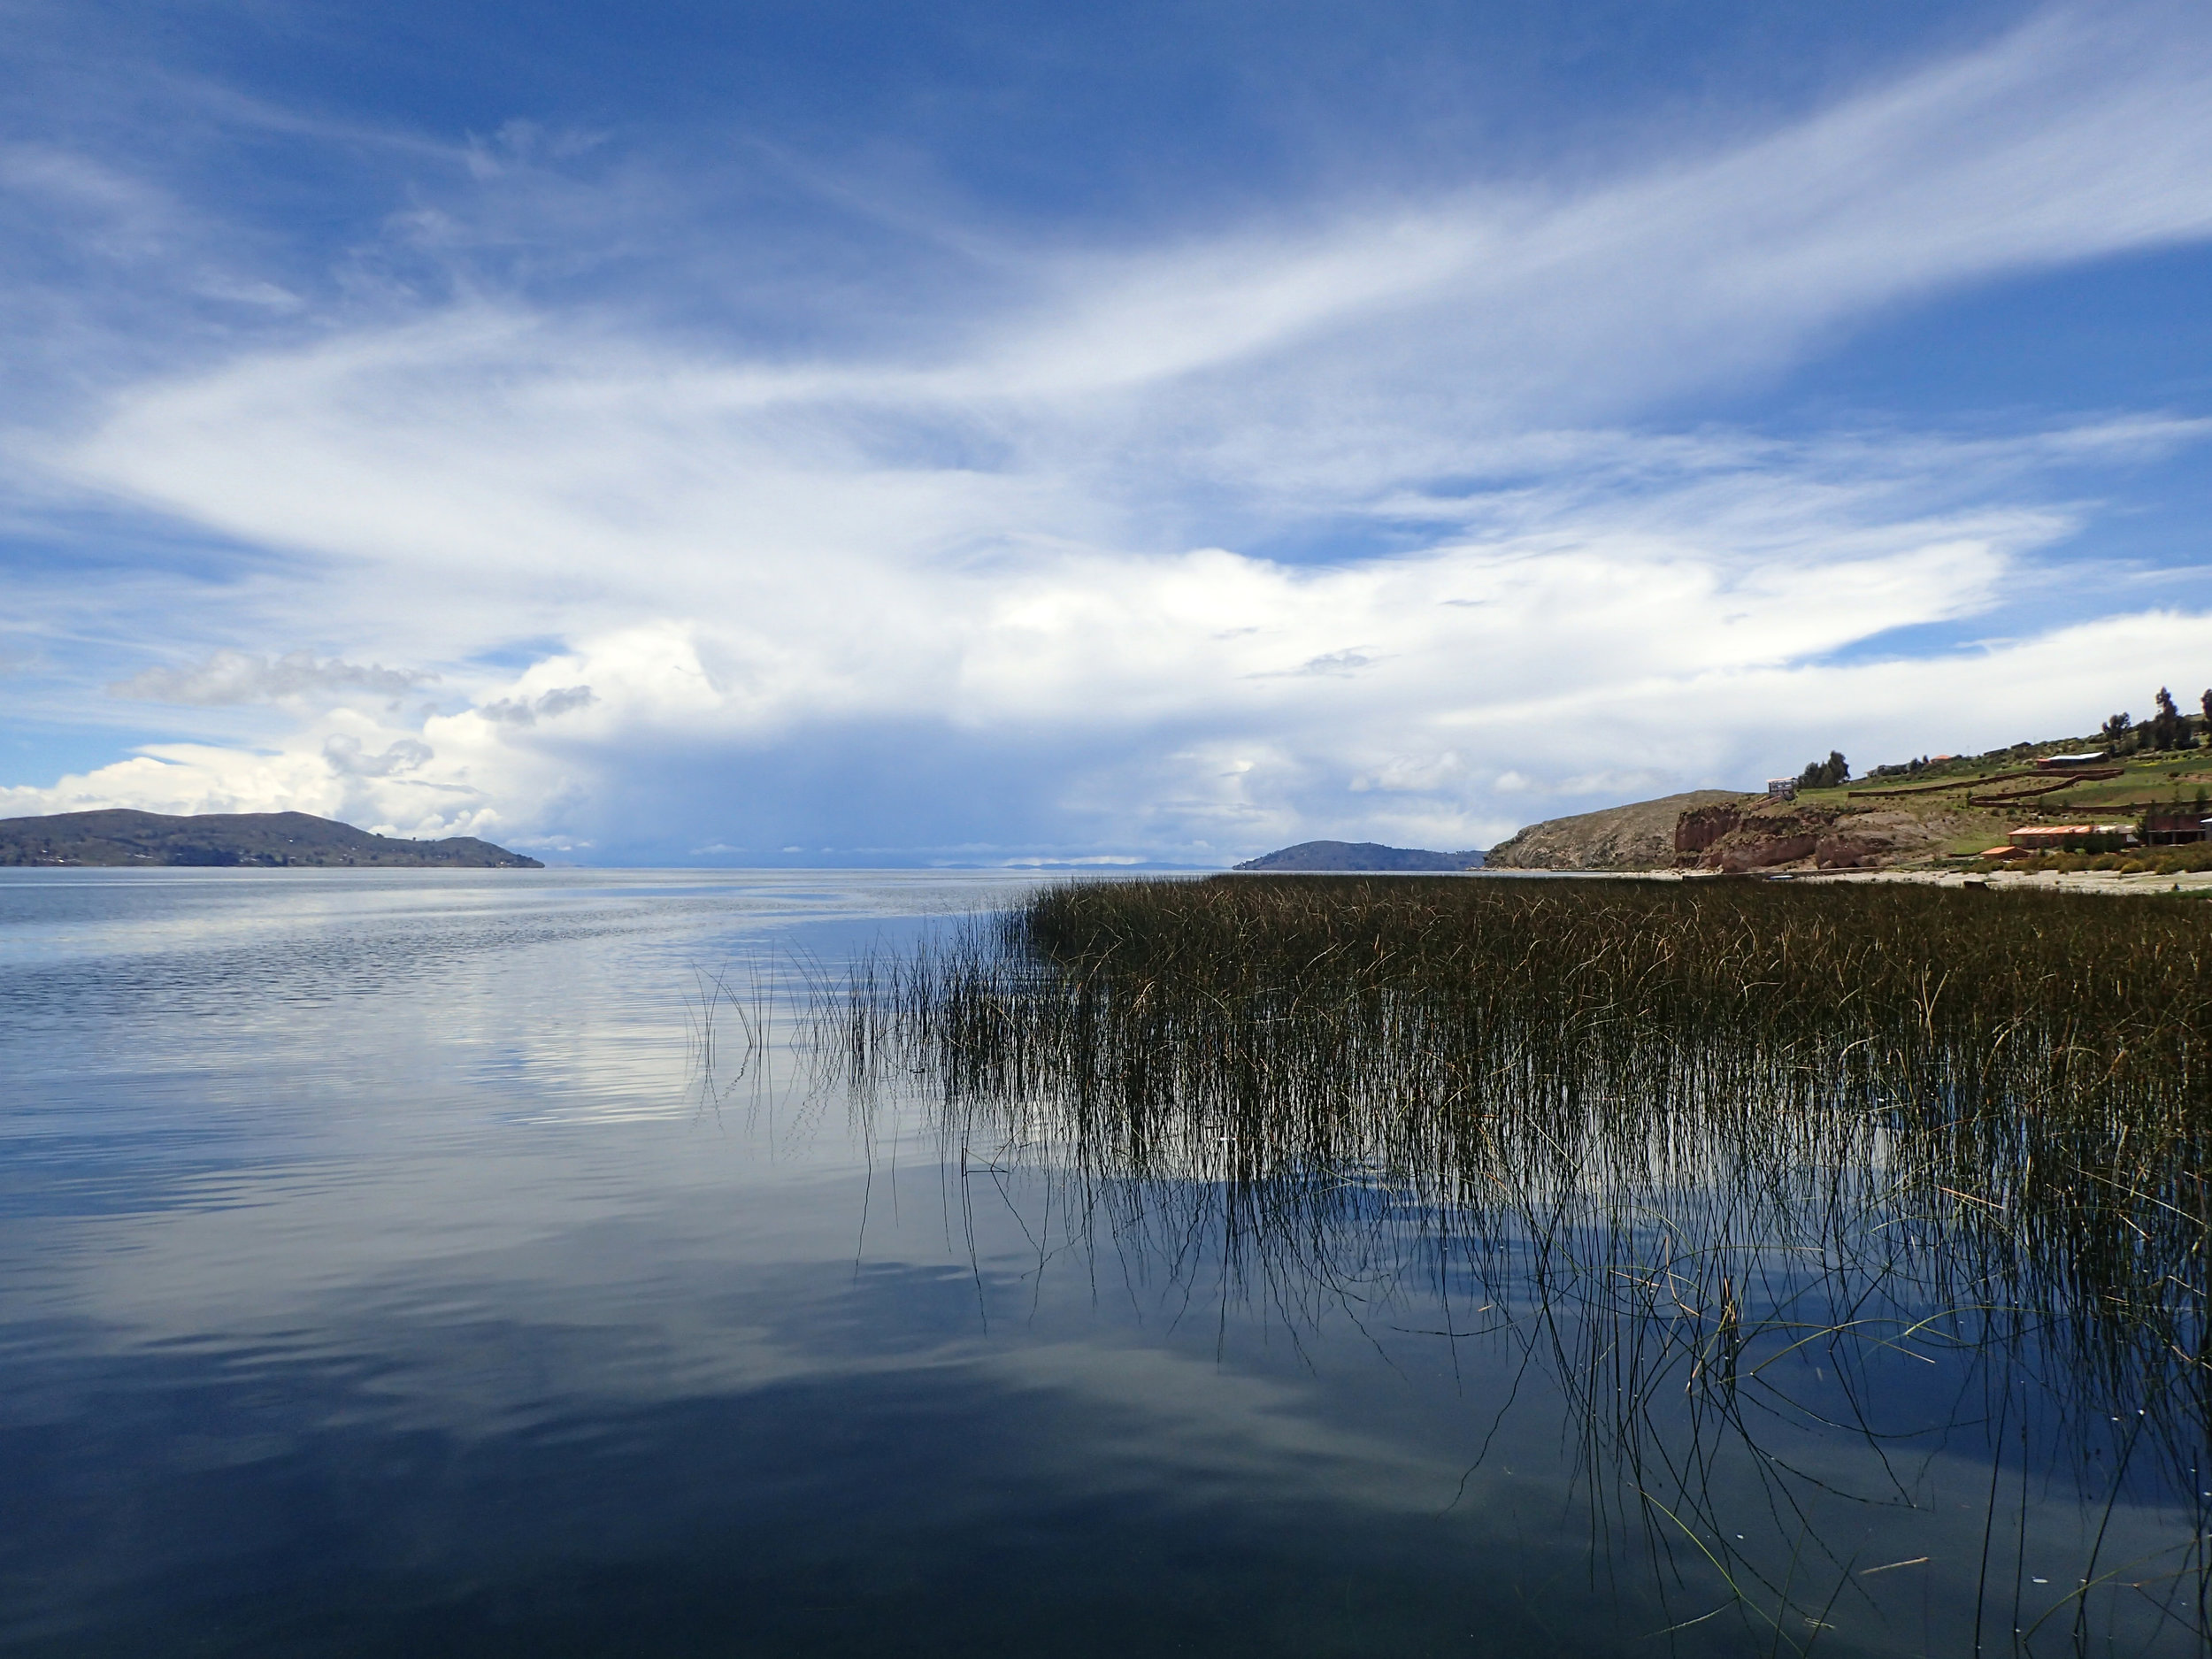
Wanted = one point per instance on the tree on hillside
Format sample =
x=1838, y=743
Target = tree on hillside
x=2168, y=729
x=1825, y=775
x=2206, y=701
x=2116, y=730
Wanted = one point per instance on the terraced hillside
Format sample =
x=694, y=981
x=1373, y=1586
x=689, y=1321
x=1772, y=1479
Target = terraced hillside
x=1951, y=807
x=2007, y=789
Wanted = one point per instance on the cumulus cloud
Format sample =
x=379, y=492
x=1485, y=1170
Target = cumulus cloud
x=1683, y=665
x=236, y=677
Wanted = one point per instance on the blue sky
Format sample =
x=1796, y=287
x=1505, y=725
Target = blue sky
x=858, y=433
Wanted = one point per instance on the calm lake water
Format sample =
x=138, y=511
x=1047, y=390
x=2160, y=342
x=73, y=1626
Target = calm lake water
x=389, y=1263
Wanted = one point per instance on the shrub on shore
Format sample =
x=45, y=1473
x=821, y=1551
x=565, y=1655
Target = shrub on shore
x=2134, y=861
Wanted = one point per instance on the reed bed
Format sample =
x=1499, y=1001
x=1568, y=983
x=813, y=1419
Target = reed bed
x=1680, y=1138
x=2012, y=1050
x=2031, y=1073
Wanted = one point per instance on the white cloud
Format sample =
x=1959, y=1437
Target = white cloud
x=759, y=567
x=1682, y=627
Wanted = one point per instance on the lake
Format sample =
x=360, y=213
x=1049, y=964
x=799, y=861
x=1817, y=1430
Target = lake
x=499, y=1262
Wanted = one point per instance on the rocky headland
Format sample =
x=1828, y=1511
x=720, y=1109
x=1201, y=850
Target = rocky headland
x=1639, y=836
x=1754, y=833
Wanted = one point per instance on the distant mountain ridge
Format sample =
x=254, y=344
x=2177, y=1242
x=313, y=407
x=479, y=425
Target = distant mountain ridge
x=1362, y=856
x=121, y=837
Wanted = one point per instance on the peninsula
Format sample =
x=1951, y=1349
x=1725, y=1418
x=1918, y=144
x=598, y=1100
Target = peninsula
x=119, y=837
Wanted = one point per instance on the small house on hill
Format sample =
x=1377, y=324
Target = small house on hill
x=2173, y=828
x=2066, y=762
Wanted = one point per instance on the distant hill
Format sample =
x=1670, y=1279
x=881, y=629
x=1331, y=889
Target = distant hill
x=120, y=837
x=1361, y=856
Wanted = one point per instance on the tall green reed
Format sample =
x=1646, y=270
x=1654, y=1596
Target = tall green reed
x=1679, y=1136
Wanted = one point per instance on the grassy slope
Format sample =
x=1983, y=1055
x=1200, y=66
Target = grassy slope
x=2157, y=780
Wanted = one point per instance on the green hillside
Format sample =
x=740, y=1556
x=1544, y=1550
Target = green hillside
x=1982, y=798
x=2152, y=782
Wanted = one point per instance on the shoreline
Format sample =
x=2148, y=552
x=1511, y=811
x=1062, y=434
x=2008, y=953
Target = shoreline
x=2106, y=881
x=2109, y=881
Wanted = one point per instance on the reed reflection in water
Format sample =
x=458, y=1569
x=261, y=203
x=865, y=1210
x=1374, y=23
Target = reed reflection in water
x=1825, y=1194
